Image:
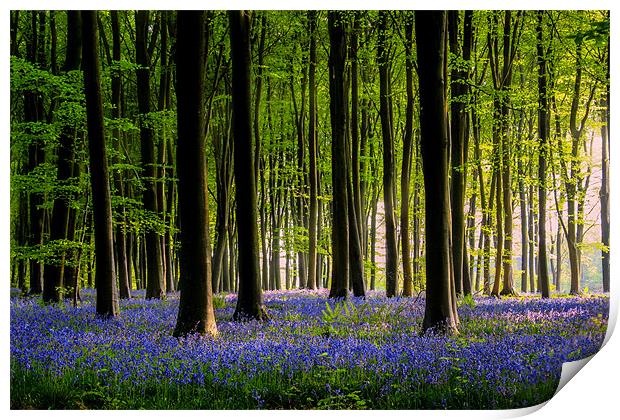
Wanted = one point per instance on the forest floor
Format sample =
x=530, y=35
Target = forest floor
x=313, y=353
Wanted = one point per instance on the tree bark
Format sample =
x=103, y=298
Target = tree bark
x=196, y=313
x=391, y=258
x=604, y=192
x=53, y=273
x=457, y=152
x=406, y=164
x=430, y=29
x=155, y=286
x=33, y=112
x=120, y=242
x=312, y=154
x=250, y=298
x=258, y=157
x=340, y=225
x=604, y=197
x=224, y=173
x=356, y=256
x=543, y=133
x=105, y=276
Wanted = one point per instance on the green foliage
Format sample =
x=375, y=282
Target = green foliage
x=219, y=301
x=341, y=311
x=468, y=301
x=52, y=252
x=26, y=76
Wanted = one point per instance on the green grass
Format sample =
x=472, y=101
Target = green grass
x=34, y=389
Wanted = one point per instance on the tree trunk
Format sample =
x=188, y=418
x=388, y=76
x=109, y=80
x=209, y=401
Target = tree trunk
x=356, y=256
x=33, y=112
x=155, y=286
x=340, y=224
x=531, y=232
x=373, y=245
x=120, y=242
x=162, y=106
x=312, y=155
x=417, y=225
x=196, y=313
x=430, y=29
x=524, y=228
x=258, y=159
x=498, y=210
x=53, y=273
x=250, y=298
x=391, y=258
x=604, y=197
x=223, y=161
x=543, y=133
x=14, y=30
x=406, y=164
x=457, y=152
x=558, y=263
x=105, y=277
x=604, y=191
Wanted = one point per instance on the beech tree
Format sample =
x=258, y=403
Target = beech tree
x=156, y=288
x=391, y=258
x=105, y=276
x=53, y=279
x=440, y=313
x=250, y=299
x=312, y=154
x=196, y=304
x=543, y=133
x=337, y=108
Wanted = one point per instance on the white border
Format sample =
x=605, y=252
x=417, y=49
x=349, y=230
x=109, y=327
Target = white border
x=591, y=394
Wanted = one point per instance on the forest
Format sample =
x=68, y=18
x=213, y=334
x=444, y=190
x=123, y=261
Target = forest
x=306, y=209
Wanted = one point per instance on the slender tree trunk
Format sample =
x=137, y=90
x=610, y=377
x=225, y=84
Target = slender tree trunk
x=489, y=238
x=120, y=242
x=508, y=52
x=14, y=30
x=531, y=219
x=105, y=277
x=498, y=211
x=53, y=273
x=312, y=154
x=356, y=259
x=373, y=245
x=340, y=225
x=558, y=251
x=33, y=112
x=457, y=152
x=232, y=262
x=258, y=157
x=604, y=192
x=356, y=137
x=155, y=287
x=430, y=28
x=483, y=266
x=196, y=313
x=406, y=165
x=250, y=298
x=525, y=199
x=356, y=256
x=575, y=176
x=604, y=197
x=417, y=225
x=223, y=161
x=391, y=258
x=543, y=133
x=162, y=106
